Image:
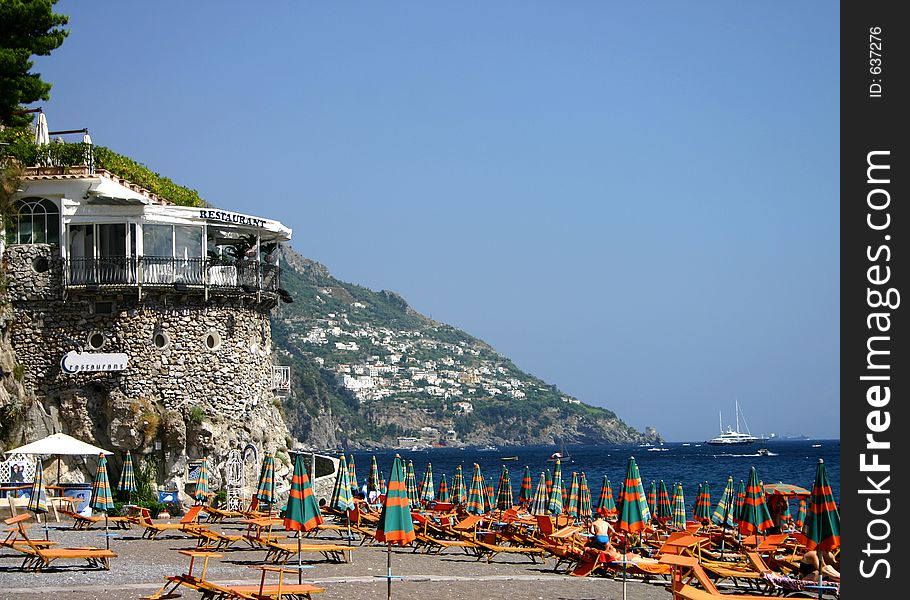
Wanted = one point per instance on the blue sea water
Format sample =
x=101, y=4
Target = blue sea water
x=689, y=463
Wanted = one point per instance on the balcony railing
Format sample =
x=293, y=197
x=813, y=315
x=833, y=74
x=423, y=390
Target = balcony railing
x=161, y=272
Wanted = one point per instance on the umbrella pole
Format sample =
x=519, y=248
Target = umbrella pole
x=299, y=560
x=350, y=554
x=625, y=548
x=389, y=571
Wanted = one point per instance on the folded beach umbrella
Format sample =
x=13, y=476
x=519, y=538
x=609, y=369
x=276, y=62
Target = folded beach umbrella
x=652, y=497
x=679, y=508
x=410, y=482
x=526, y=494
x=606, y=506
x=396, y=525
x=740, y=501
x=702, y=510
x=459, y=495
x=631, y=516
x=556, y=500
x=373, y=483
x=664, y=510
x=37, y=498
x=265, y=489
x=755, y=517
x=302, y=512
x=382, y=484
x=540, y=503
x=549, y=483
x=428, y=489
x=127, y=481
x=504, y=491
x=477, y=496
x=822, y=526
x=724, y=513
x=101, y=493
x=202, y=482
x=571, y=507
x=490, y=496
x=584, y=497
x=352, y=474
x=800, y=515
x=443, y=495
x=341, y=498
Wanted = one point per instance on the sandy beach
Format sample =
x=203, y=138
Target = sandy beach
x=142, y=565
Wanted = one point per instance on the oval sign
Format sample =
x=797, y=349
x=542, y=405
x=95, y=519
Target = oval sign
x=77, y=362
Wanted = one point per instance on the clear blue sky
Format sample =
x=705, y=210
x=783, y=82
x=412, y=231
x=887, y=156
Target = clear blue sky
x=637, y=202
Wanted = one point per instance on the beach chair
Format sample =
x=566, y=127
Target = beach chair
x=218, y=515
x=39, y=556
x=259, y=531
x=188, y=524
x=687, y=571
x=14, y=525
x=213, y=540
x=281, y=552
x=433, y=537
x=87, y=522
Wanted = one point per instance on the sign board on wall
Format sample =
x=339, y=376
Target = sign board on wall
x=77, y=362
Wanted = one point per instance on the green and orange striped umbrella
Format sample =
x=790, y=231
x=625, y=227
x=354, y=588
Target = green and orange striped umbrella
x=101, y=494
x=556, y=497
x=352, y=475
x=395, y=523
x=754, y=517
x=127, y=481
x=679, y=508
x=584, y=497
x=664, y=510
x=800, y=515
x=549, y=483
x=341, y=498
x=428, y=488
x=382, y=484
x=37, y=498
x=373, y=482
x=504, y=491
x=606, y=506
x=740, y=500
x=645, y=511
x=652, y=497
x=822, y=527
x=459, y=491
x=410, y=482
x=302, y=512
x=540, y=503
x=571, y=507
x=202, y=482
x=526, y=493
x=724, y=513
x=443, y=495
x=265, y=489
x=631, y=516
x=702, y=510
x=490, y=496
x=477, y=496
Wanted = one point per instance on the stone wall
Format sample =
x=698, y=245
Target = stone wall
x=199, y=374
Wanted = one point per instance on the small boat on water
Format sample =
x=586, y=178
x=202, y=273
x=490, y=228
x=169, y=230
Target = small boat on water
x=731, y=436
x=562, y=455
x=505, y=458
x=658, y=449
x=763, y=452
x=488, y=449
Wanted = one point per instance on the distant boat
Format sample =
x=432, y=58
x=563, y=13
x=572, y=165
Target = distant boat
x=732, y=437
x=658, y=449
x=504, y=458
x=488, y=449
x=816, y=445
x=763, y=452
x=561, y=455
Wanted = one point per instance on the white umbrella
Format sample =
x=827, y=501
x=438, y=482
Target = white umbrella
x=59, y=444
x=42, y=133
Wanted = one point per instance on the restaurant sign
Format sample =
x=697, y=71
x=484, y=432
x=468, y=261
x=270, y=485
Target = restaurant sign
x=78, y=362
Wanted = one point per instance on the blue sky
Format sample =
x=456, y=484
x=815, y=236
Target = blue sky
x=637, y=202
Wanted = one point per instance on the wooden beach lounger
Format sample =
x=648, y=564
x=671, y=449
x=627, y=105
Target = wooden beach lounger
x=189, y=524
x=38, y=556
x=281, y=552
x=83, y=522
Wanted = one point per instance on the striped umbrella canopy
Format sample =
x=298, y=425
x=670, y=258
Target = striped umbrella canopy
x=540, y=502
x=723, y=514
x=395, y=523
x=382, y=484
x=202, y=482
x=265, y=489
x=458, y=487
x=342, y=499
x=822, y=527
x=352, y=475
x=787, y=490
x=571, y=505
x=373, y=482
x=755, y=517
x=490, y=496
x=127, y=481
x=800, y=515
x=477, y=496
x=526, y=493
x=443, y=495
x=504, y=491
x=740, y=501
x=410, y=482
x=584, y=497
x=37, y=498
x=702, y=510
x=428, y=489
x=549, y=483
x=679, y=508
x=631, y=516
x=664, y=510
x=652, y=497
x=556, y=498
x=302, y=512
x=101, y=487
x=606, y=506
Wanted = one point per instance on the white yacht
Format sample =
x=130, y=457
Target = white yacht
x=731, y=436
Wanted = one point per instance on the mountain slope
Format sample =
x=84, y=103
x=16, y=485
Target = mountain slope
x=367, y=370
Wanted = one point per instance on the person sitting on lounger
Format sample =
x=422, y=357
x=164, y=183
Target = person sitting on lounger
x=808, y=566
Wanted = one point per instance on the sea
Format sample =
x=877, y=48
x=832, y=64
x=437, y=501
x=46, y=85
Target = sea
x=689, y=463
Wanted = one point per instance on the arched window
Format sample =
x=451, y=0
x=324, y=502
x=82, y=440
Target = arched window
x=36, y=222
